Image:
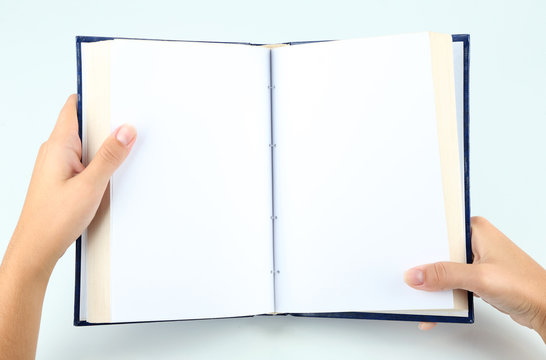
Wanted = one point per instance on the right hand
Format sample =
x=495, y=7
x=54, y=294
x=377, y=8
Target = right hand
x=502, y=274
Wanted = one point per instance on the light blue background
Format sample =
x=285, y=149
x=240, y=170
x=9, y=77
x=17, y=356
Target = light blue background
x=507, y=156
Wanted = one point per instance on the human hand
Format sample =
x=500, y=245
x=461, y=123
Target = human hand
x=501, y=274
x=63, y=195
x=62, y=198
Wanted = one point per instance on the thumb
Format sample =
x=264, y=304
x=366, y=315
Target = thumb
x=442, y=276
x=110, y=155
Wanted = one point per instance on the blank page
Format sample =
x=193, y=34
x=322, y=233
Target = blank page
x=358, y=187
x=191, y=206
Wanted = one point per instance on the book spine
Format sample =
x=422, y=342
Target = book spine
x=272, y=146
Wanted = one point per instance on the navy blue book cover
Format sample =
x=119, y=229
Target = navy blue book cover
x=465, y=40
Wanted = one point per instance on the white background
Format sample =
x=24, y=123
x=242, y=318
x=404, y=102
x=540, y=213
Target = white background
x=508, y=167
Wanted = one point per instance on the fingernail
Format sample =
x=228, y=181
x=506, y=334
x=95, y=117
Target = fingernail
x=125, y=134
x=414, y=277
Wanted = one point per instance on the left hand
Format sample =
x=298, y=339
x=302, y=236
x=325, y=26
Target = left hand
x=63, y=195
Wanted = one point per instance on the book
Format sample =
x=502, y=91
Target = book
x=294, y=179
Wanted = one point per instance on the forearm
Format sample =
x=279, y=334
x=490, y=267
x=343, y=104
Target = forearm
x=22, y=290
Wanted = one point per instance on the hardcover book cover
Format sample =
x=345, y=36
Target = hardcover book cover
x=461, y=60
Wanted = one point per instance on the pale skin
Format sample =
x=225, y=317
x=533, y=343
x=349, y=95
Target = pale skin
x=63, y=198
x=501, y=274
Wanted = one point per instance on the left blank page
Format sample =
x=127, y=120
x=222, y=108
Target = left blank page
x=191, y=206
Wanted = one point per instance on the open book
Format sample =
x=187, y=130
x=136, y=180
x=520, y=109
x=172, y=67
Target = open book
x=299, y=179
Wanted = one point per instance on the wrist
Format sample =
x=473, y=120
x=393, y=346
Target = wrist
x=26, y=262
x=538, y=322
x=539, y=325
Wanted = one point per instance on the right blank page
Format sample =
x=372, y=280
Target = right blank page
x=358, y=180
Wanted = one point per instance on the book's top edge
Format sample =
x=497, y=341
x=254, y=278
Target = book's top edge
x=79, y=39
x=461, y=37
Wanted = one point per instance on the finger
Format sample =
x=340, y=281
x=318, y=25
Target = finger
x=443, y=276
x=67, y=122
x=110, y=156
x=426, y=325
